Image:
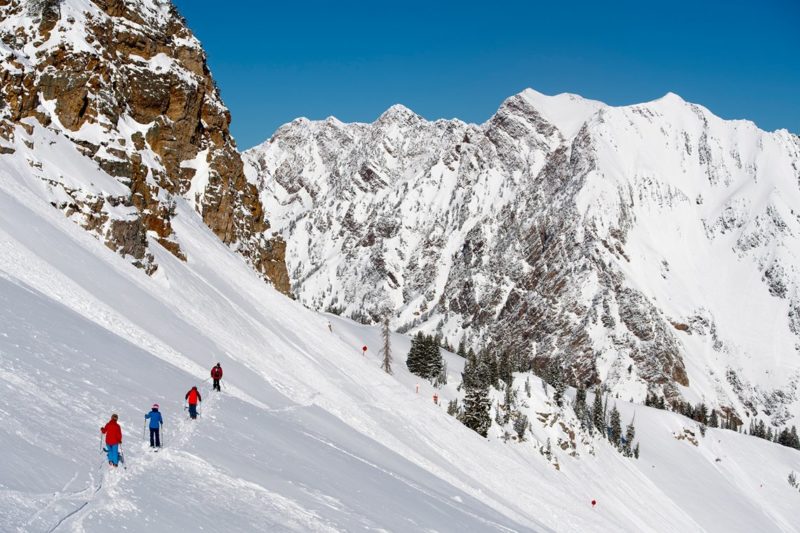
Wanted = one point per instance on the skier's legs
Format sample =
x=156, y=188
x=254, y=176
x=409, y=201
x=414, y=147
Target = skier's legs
x=153, y=433
x=216, y=385
x=113, y=453
x=157, y=432
x=193, y=410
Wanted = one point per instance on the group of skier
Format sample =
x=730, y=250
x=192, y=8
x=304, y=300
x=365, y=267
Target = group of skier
x=113, y=431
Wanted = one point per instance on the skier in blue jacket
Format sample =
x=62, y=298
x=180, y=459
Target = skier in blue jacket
x=156, y=421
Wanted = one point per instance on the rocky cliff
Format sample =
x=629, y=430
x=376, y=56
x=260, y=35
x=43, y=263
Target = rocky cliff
x=125, y=83
x=653, y=248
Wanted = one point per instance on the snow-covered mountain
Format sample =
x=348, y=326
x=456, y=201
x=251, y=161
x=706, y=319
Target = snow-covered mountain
x=653, y=247
x=110, y=116
x=125, y=84
x=309, y=434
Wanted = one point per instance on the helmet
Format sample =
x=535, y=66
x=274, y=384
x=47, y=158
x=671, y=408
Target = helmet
x=114, y=416
x=155, y=406
x=218, y=364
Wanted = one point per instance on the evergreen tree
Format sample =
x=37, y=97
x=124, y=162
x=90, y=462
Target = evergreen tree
x=387, y=348
x=630, y=434
x=434, y=362
x=452, y=408
x=505, y=368
x=520, y=426
x=636, y=450
x=510, y=396
x=499, y=415
x=469, y=375
x=580, y=403
x=713, y=421
x=701, y=414
x=761, y=429
x=462, y=350
x=476, y=410
x=475, y=414
x=597, y=411
x=441, y=379
x=491, y=368
x=615, y=430
x=554, y=376
x=416, y=355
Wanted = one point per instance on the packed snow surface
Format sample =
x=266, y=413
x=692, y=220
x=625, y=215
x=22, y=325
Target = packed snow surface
x=309, y=434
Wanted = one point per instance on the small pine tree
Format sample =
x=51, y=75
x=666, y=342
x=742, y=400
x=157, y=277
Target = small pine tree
x=636, y=450
x=701, y=413
x=386, y=350
x=441, y=379
x=615, y=427
x=475, y=414
x=433, y=359
x=462, y=350
x=713, y=421
x=489, y=371
x=505, y=368
x=580, y=402
x=630, y=434
x=520, y=426
x=416, y=355
x=476, y=410
x=498, y=415
x=452, y=408
x=597, y=412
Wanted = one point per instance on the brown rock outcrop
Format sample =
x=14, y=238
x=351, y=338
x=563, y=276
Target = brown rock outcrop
x=137, y=96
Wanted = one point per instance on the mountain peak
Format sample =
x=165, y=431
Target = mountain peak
x=566, y=111
x=397, y=112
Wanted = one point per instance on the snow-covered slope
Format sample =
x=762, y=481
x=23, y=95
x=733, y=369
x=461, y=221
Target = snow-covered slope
x=653, y=248
x=309, y=434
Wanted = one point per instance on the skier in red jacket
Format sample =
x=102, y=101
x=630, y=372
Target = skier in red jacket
x=193, y=396
x=216, y=375
x=113, y=434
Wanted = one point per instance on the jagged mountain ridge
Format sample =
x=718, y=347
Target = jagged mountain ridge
x=126, y=84
x=650, y=247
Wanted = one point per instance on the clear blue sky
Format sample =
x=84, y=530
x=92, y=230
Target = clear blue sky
x=278, y=60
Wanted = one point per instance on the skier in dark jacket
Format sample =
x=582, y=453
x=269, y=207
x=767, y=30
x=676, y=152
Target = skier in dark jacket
x=193, y=397
x=156, y=421
x=113, y=434
x=216, y=375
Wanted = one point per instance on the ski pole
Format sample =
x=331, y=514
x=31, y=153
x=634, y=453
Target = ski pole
x=144, y=427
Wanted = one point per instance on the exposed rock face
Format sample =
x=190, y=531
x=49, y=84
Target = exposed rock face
x=561, y=228
x=128, y=84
